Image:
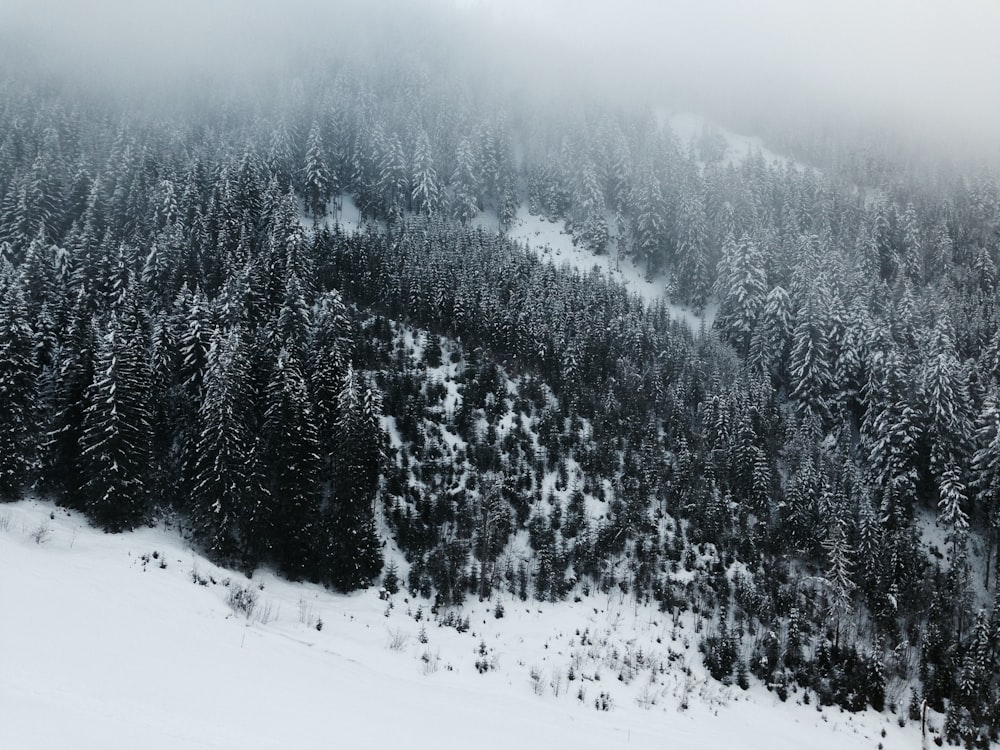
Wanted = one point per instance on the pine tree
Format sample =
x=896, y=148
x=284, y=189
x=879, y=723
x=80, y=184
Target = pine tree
x=947, y=409
x=891, y=435
x=953, y=498
x=17, y=386
x=809, y=360
x=650, y=223
x=591, y=225
x=911, y=246
x=464, y=184
x=426, y=194
x=318, y=183
x=280, y=155
x=771, y=338
x=692, y=276
x=228, y=492
x=742, y=287
x=393, y=179
x=839, y=572
x=355, y=556
x=114, y=456
x=289, y=525
x=986, y=471
x=329, y=351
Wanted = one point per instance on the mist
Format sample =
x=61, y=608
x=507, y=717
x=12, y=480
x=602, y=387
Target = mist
x=925, y=70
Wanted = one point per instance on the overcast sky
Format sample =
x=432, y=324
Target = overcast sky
x=929, y=66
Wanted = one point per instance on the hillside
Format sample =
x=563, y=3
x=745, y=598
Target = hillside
x=111, y=642
x=399, y=313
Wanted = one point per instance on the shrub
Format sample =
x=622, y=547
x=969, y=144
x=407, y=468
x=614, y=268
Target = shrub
x=242, y=600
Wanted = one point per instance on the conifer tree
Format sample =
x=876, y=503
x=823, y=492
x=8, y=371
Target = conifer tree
x=949, y=425
x=772, y=337
x=650, y=223
x=355, y=556
x=291, y=454
x=464, y=182
x=692, y=276
x=317, y=176
x=426, y=194
x=393, y=179
x=591, y=226
x=742, y=287
x=114, y=455
x=809, y=369
x=228, y=483
x=17, y=386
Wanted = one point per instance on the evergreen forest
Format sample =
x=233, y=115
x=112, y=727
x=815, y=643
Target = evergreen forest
x=190, y=334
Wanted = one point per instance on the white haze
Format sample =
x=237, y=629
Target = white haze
x=925, y=68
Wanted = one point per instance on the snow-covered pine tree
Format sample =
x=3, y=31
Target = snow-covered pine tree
x=692, y=282
x=355, y=555
x=393, y=178
x=280, y=155
x=591, y=225
x=890, y=435
x=117, y=434
x=329, y=350
x=17, y=385
x=464, y=183
x=290, y=523
x=953, y=498
x=650, y=222
x=986, y=472
x=316, y=174
x=228, y=491
x=742, y=286
x=771, y=338
x=946, y=404
x=426, y=193
x=839, y=571
x=809, y=366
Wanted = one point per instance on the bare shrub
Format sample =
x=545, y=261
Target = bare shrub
x=537, y=681
x=307, y=615
x=41, y=534
x=242, y=600
x=398, y=639
x=430, y=661
x=557, y=682
x=267, y=612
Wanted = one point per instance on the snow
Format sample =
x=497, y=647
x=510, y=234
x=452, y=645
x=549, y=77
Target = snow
x=110, y=641
x=689, y=128
x=349, y=216
x=553, y=243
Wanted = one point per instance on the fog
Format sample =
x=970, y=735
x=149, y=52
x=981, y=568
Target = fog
x=924, y=68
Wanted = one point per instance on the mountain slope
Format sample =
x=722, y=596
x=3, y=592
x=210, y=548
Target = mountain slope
x=110, y=642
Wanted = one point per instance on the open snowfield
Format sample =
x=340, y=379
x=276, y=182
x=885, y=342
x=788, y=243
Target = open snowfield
x=111, y=642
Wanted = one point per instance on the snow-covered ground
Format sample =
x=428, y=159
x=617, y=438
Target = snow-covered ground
x=127, y=641
x=689, y=128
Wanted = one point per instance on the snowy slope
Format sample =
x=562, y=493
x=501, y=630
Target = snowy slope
x=689, y=128
x=111, y=642
x=553, y=243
